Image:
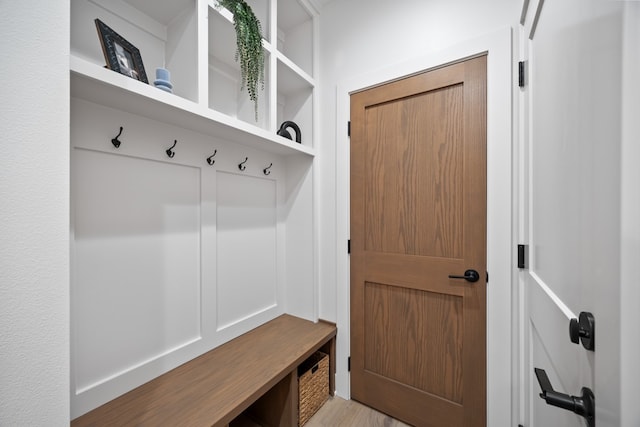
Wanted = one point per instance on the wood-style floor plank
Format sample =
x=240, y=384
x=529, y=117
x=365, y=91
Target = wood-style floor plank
x=338, y=412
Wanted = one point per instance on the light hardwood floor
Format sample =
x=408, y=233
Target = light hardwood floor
x=338, y=412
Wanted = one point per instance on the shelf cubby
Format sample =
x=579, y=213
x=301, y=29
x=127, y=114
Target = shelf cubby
x=295, y=100
x=225, y=93
x=165, y=35
x=295, y=33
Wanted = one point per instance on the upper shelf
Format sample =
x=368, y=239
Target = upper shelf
x=102, y=86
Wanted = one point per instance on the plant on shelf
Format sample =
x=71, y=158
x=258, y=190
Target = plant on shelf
x=249, y=47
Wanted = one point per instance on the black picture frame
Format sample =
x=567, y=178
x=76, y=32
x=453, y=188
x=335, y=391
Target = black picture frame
x=121, y=56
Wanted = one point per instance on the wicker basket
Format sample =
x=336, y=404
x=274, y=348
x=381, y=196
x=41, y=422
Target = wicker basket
x=313, y=385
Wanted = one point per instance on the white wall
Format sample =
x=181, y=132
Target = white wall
x=34, y=213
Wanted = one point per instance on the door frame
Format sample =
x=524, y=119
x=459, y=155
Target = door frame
x=502, y=301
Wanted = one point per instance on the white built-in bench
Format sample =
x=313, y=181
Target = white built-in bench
x=255, y=373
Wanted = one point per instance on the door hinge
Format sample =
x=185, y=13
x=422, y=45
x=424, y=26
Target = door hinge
x=521, y=74
x=349, y=128
x=523, y=255
x=349, y=246
x=349, y=364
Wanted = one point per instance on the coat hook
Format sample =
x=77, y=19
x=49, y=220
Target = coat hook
x=210, y=158
x=266, y=170
x=170, y=151
x=241, y=166
x=115, y=141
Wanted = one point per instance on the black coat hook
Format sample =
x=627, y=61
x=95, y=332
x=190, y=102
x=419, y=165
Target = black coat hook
x=266, y=170
x=170, y=151
x=210, y=158
x=241, y=166
x=115, y=141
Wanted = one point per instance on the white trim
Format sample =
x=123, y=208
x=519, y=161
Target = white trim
x=555, y=299
x=523, y=14
x=498, y=44
x=536, y=18
x=629, y=226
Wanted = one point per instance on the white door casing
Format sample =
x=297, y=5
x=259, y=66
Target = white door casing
x=569, y=203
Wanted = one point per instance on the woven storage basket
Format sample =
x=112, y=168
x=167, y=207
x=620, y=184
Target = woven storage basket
x=313, y=385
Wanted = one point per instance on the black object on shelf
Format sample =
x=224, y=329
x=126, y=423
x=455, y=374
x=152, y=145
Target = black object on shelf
x=285, y=133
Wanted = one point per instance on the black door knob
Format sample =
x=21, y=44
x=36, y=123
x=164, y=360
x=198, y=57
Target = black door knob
x=583, y=330
x=469, y=276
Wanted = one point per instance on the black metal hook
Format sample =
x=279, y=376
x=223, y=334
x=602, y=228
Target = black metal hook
x=115, y=141
x=170, y=151
x=266, y=170
x=241, y=166
x=210, y=158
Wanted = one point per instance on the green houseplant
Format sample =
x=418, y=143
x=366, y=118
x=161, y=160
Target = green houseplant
x=249, y=51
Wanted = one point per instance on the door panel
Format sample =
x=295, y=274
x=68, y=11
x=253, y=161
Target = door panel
x=408, y=327
x=542, y=414
x=571, y=215
x=414, y=202
x=418, y=215
x=551, y=350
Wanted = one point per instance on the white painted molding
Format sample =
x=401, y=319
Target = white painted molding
x=536, y=18
x=523, y=14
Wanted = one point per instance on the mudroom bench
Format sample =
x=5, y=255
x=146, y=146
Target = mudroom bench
x=253, y=375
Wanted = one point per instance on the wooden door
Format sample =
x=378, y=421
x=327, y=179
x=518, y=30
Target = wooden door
x=418, y=215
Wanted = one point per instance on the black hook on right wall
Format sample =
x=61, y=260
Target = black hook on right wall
x=241, y=166
x=115, y=141
x=210, y=158
x=170, y=151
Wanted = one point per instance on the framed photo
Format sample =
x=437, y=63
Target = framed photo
x=121, y=56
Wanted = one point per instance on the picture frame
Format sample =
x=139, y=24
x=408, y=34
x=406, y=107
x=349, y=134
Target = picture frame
x=121, y=56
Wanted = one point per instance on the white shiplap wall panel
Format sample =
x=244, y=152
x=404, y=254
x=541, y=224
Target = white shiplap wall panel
x=170, y=257
x=137, y=275
x=246, y=247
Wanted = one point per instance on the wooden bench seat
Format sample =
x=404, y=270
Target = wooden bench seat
x=256, y=371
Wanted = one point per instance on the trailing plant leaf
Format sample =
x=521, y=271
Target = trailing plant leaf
x=249, y=51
